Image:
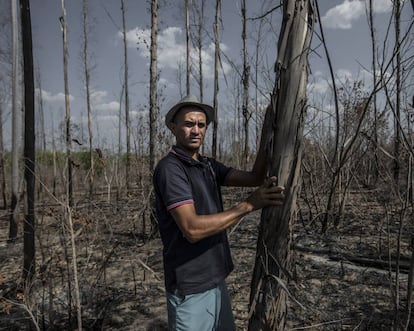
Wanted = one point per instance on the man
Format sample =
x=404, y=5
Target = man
x=193, y=224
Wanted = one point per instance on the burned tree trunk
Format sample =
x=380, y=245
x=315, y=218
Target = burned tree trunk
x=88, y=94
x=216, y=85
x=29, y=143
x=14, y=207
x=126, y=84
x=268, y=298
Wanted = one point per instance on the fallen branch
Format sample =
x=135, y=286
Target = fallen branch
x=404, y=263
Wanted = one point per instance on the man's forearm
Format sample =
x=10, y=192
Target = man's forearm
x=197, y=227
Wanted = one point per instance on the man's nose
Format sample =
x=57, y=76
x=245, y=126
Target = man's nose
x=195, y=129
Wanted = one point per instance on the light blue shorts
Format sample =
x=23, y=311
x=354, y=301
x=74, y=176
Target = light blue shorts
x=206, y=311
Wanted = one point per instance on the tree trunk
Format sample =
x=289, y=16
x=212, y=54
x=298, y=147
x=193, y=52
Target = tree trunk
x=14, y=214
x=245, y=80
x=216, y=86
x=127, y=123
x=2, y=163
x=268, y=298
x=88, y=95
x=374, y=101
x=397, y=118
x=69, y=186
x=29, y=143
x=200, y=48
x=187, y=33
x=153, y=83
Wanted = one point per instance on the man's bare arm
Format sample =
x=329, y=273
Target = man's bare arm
x=196, y=227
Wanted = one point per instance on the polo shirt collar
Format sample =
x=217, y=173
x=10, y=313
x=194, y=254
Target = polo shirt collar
x=183, y=156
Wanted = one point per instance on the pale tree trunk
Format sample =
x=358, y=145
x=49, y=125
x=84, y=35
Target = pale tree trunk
x=199, y=16
x=153, y=109
x=153, y=83
x=41, y=131
x=397, y=115
x=88, y=94
x=127, y=123
x=69, y=197
x=256, y=80
x=69, y=186
x=187, y=33
x=3, y=173
x=216, y=85
x=268, y=298
x=374, y=100
x=118, y=156
x=200, y=49
x=14, y=207
x=246, y=78
x=29, y=143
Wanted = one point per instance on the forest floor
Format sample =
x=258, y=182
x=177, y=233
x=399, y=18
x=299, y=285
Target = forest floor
x=342, y=280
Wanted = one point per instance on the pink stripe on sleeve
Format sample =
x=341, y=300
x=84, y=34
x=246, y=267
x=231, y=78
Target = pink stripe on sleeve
x=180, y=203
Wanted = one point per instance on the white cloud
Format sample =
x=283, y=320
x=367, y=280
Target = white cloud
x=344, y=75
x=319, y=86
x=110, y=106
x=343, y=15
x=171, y=49
x=50, y=97
x=98, y=96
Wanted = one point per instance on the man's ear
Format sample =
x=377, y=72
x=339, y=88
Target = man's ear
x=172, y=126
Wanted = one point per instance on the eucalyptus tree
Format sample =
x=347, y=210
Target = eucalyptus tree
x=29, y=143
x=268, y=296
x=126, y=94
x=153, y=111
x=85, y=56
x=199, y=19
x=68, y=139
x=188, y=50
x=217, y=19
x=14, y=213
x=397, y=113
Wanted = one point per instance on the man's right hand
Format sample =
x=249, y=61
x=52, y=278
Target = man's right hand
x=269, y=194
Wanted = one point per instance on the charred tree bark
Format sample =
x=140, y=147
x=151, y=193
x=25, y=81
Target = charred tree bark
x=268, y=298
x=69, y=185
x=187, y=33
x=246, y=78
x=29, y=143
x=153, y=111
x=88, y=95
x=153, y=83
x=216, y=85
x=397, y=115
x=2, y=163
x=127, y=123
x=374, y=101
x=13, y=227
x=200, y=48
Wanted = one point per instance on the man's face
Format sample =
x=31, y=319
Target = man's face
x=189, y=128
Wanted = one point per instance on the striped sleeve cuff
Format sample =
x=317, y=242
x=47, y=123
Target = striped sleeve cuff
x=180, y=203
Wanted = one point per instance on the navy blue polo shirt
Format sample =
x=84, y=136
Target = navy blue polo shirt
x=179, y=179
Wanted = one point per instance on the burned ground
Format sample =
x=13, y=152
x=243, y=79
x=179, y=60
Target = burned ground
x=342, y=280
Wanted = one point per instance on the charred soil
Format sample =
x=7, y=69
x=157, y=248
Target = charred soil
x=349, y=278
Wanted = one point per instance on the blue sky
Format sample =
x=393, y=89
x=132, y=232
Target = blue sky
x=344, y=21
